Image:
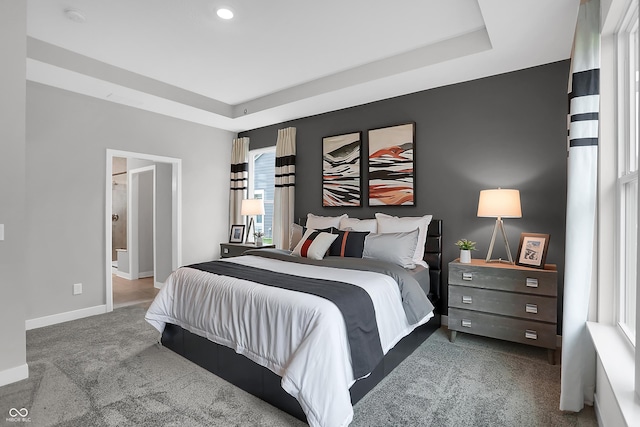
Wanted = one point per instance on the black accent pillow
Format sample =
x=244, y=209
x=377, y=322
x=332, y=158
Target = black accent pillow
x=348, y=243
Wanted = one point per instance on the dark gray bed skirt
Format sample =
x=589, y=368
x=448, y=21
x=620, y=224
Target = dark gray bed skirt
x=264, y=384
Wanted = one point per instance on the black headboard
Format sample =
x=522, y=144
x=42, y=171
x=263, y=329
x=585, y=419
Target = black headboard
x=433, y=257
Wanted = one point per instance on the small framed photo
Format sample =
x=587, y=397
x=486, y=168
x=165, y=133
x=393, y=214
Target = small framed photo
x=237, y=233
x=532, y=250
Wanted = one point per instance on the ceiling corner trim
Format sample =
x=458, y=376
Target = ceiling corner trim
x=457, y=47
x=47, y=53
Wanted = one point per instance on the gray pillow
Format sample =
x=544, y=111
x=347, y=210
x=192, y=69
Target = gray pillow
x=397, y=248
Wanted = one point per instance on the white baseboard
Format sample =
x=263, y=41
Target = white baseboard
x=13, y=375
x=124, y=275
x=596, y=408
x=145, y=274
x=158, y=285
x=64, y=317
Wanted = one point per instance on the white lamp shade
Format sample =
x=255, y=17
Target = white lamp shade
x=500, y=202
x=252, y=207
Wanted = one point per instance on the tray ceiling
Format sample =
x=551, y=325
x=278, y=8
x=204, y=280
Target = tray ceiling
x=279, y=60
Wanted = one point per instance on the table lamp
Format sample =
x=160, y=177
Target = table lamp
x=251, y=207
x=499, y=203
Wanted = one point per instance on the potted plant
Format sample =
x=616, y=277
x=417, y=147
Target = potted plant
x=258, y=235
x=466, y=246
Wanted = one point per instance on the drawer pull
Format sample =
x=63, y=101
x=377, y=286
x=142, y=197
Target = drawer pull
x=530, y=334
x=467, y=276
x=225, y=250
x=532, y=283
x=466, y=323
x=531, y=308
x=467, y=300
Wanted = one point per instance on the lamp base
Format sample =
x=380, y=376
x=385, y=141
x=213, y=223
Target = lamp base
x=499, y=225
x=249, y=230
x=500, y=260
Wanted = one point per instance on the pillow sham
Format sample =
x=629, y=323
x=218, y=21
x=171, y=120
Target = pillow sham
x=355, y=224
x=295, y=234
x=397, y=248
x=348, y=244
x=314, y=244
x=317, y=222
x=394, y=224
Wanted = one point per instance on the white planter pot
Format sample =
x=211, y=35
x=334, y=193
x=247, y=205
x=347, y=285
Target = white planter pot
x=465, y=256
x=259, y=241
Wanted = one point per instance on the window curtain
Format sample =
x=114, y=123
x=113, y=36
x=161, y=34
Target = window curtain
x=285, y=182
x=578, y=355
x=239, y=179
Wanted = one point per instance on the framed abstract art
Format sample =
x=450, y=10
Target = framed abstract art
x=341, y=177
x=391, y=166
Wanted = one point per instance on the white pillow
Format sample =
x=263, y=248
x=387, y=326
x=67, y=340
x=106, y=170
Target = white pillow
x=295, y=234
x=394, y=224
x=397, y=248
x=320, y=222
x=355, y=224
x=314, y=244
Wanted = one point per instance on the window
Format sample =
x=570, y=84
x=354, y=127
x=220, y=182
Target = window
x=627, y=181
x=262, y=164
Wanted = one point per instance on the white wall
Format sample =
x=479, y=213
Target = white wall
x=13, y=22
x=163, y=220
x=66, y=142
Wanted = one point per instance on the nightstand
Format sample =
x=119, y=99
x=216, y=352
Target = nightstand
x=504, y=301
x=228, y=250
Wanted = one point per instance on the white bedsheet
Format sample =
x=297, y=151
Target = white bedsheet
x=300, y=337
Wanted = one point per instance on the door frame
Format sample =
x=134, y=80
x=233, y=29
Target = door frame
x=176, y=212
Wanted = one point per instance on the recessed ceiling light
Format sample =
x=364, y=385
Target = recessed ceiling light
x=224, y=13
x=75, y=15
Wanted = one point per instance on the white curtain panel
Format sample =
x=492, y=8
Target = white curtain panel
x=285, y=182
x=578, y=355
x=239, y=179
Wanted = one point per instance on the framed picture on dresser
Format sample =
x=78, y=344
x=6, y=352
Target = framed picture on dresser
x=532, y=250
x=237, y=233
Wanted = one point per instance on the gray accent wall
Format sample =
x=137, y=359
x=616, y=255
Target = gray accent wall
x=504, y=131
x=13, y=24
x=66, y=142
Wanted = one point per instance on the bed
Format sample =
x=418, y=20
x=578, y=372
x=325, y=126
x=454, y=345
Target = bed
x=237, y=344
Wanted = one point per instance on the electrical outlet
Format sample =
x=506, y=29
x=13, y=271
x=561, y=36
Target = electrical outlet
x=77, y=288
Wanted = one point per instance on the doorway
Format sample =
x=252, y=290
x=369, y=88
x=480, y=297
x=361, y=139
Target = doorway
x=153, y=226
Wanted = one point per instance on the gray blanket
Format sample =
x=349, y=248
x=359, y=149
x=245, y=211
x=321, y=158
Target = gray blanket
x=414, y=299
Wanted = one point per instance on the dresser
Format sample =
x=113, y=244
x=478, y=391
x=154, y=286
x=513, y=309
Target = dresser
x=228, y=250
x=504, y=301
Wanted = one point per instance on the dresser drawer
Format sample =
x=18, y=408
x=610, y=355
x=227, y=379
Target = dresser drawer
x=534, y=307
x=504, y=278
x=506, y=328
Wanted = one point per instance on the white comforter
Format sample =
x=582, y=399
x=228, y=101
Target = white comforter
x=307, y=343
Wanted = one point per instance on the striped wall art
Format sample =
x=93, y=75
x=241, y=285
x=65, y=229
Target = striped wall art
x=341, y=178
